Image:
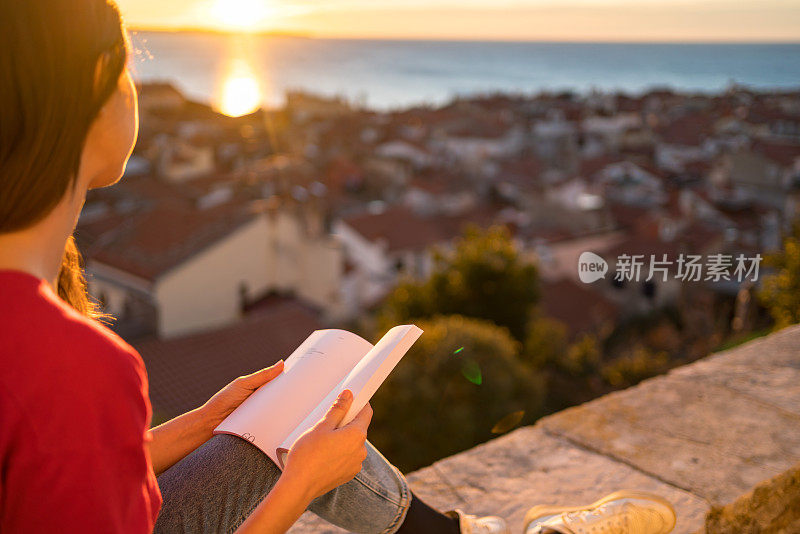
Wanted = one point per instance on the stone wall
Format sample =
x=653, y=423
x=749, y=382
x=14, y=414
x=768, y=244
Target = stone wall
x=700, y=436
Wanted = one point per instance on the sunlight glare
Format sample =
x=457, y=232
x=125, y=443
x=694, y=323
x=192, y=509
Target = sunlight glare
x=241, y=91
x=240, y=15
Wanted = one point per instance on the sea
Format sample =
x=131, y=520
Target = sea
x=238, y=72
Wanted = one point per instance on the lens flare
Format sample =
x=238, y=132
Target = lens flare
x=472, y=372
x=240, y=84
x=508, y=422
x=241, y=91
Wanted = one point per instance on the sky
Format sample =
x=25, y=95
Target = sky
x=551, y=20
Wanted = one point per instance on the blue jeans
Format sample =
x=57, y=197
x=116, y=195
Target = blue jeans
x=218, y=485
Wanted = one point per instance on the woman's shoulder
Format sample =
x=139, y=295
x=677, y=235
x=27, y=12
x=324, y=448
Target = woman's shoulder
x=39, y=331
x=60, y=367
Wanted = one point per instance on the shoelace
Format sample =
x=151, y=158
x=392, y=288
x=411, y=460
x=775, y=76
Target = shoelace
x=480, y=527
x=612, y=517
x=483, y=528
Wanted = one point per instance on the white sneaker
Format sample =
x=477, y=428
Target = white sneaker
x=623, y=512
x=471, y=524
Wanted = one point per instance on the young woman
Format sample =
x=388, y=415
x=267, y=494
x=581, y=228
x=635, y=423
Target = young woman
x=76, y=450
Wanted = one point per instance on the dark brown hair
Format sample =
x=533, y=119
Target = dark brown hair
x=60, y=61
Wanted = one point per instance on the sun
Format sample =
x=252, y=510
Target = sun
x=241, y=95
x=240, y=15
x=241, y=92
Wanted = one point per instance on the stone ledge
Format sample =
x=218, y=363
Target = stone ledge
x=716, y=427
x=703, y=434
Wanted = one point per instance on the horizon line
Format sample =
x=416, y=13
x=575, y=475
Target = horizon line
x=311, y=35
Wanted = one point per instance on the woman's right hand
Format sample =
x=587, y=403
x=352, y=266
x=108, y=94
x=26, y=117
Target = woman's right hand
x=326, y=456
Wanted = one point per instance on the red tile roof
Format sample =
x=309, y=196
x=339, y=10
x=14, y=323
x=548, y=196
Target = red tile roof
x=784, y=154
x=699, y=238
x=341, y=173
x=185, y=372
x=626, y=103
x=403, y=229
x=440, y=180
x=577, y=305
x=152, y=240
x=524, y=172
x=645, y=245
x=399, y=226
x=761, y=113
x=434, y=187
x=630, y=217
x=690, y=130
x=591, y=166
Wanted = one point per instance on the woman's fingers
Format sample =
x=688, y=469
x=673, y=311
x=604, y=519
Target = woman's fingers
x=339, y=409
x=259, y=378
x=362, y=419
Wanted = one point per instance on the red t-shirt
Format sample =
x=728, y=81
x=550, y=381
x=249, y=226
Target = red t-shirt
x=74, y=420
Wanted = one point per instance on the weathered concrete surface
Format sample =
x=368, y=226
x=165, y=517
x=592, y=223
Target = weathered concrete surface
x=705, y=433
x=508, y=475
x=716, y=428
x=528, y=467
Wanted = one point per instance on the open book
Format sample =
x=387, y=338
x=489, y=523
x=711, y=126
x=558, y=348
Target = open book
x=324, y=365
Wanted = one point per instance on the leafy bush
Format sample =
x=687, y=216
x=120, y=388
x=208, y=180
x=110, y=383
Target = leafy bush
x=484, y=278
x=780, y=292
x=460, y=381
x=545, y=341
x=771, y=506
x=582, y=357
x=634, y=367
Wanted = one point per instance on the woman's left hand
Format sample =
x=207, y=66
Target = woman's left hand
x=223, y=403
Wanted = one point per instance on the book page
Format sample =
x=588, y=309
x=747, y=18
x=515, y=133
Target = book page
x=273, y=411
x=364, y=380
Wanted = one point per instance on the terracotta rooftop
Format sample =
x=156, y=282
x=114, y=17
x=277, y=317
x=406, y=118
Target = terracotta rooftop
x=639, y=244
x=577, y=305
x=627, y=103
x=690, y=130
x=784, y=154
x=439, y=181
x=523, y=171
x=761, y=113
x=151, y=240
x=630, y=217
x=701, y=238
x=591, y=166
x=403, y=229
x=399, y=226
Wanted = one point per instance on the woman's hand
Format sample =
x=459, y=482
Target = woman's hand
x=231, y=396
x=326, y=456
x=323, y=458
x=176, y=438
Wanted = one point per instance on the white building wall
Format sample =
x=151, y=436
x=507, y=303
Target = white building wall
x=270, y=252
x=367, y=255
x=204, y=292
x=374, y=267
x=305, y=262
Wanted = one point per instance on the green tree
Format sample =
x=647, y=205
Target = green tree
x=780, y=292
x=634, y=367
x=545, y=341
x=582, y=358
x=460, y=384
x=484, y=277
